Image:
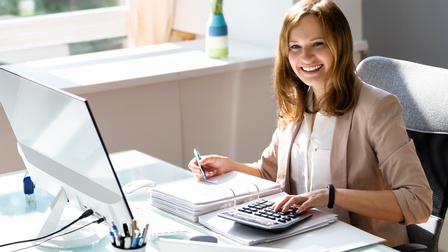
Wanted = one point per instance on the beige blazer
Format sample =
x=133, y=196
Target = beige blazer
x=371, y=151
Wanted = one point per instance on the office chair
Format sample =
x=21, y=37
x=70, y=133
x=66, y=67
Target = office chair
x=423, y=93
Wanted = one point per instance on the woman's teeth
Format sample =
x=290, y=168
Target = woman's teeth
x=314, y=68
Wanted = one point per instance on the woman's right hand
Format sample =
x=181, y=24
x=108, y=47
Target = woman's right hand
x=213, y=165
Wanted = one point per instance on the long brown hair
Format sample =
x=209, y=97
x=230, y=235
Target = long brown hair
x=340, y=89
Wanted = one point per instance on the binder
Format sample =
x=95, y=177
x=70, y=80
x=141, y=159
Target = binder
x=190, y=198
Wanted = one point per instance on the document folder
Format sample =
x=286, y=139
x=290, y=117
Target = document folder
x=189, y=198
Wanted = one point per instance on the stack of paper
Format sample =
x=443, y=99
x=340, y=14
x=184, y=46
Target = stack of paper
x=190, y=198
x=249, y=236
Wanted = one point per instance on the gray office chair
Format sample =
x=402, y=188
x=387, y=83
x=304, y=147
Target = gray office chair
x=423, y=93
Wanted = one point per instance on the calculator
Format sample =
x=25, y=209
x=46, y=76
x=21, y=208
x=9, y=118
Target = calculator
x=260, y=214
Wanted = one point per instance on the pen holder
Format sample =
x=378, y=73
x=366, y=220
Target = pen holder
x=138, y=249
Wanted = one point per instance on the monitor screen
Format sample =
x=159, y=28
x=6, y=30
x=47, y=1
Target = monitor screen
x=61, y=146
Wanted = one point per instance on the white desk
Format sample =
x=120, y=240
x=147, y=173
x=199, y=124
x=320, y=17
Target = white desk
x=20, y=220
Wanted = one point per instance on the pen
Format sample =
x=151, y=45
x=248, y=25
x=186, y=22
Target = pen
x=144, y=234
x=126, y=230
x=127, y=242
x=136, y=239
x=116, y=232
x=198, y=157
x=112, y=237
x=122, y=241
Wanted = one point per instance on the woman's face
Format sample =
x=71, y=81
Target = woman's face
x=309, y=54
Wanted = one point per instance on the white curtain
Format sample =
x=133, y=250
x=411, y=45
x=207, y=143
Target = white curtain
x=149, y=21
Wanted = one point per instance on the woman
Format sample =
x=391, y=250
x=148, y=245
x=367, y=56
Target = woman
x=339, y=141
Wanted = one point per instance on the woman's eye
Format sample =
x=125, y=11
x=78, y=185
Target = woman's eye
x=318, y=43
x=294, y=46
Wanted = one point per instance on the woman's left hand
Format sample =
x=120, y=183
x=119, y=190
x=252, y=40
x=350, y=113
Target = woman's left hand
x=305, y=201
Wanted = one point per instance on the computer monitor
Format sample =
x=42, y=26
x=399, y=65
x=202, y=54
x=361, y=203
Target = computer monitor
x=62, y=148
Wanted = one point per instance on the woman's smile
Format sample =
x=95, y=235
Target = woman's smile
x=312, y=68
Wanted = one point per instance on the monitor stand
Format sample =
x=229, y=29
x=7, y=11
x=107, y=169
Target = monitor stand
x=87, y=236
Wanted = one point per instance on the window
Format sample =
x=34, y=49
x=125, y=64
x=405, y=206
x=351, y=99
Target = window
x=41, y=7
x=35, y=29
x=39, y=29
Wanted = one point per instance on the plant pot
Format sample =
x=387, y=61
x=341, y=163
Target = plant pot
x=216, y=38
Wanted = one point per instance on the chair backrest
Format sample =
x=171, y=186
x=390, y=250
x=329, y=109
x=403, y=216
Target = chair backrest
x=423, y=93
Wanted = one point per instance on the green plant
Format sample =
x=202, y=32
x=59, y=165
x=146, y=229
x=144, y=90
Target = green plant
x=216, y=7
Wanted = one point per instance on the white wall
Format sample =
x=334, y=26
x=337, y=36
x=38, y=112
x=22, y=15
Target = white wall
x=258, y=21
x=352, y=11
x=251, y=21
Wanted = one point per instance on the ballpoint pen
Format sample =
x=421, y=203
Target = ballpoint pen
x=136, y=239
x=198, y=158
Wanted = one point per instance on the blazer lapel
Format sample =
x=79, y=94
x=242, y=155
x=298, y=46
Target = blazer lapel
x=338, y=158
x=284, y=161
x=339, y=148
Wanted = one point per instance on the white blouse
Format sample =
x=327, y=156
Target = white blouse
x=310, y=154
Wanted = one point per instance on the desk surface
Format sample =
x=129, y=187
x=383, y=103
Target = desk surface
x=18, y=214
